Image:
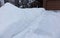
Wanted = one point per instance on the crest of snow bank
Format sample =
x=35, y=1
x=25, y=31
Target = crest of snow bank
x=9, y=5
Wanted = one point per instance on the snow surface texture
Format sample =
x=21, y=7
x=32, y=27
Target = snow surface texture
x=28, y=23
x=14, y=20
x=48, y=27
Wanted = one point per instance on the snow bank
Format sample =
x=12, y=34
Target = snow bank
x=14, y=20
x=28, y=23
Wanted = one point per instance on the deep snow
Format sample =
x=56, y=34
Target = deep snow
x=28, y=23
x=14, y=20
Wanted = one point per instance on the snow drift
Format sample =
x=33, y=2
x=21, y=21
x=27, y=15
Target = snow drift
x=28, y=23
x=14, y=20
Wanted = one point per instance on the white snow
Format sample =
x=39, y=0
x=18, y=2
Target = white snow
x=14, y=20
x=28, y=23
x=48, y=27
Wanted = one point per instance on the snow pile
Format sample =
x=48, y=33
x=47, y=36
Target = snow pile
x=14, y=20
x=28, y=23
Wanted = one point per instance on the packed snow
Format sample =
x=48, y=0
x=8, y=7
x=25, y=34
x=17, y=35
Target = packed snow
x=28, y=23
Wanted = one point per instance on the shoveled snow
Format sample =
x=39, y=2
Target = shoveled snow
x=28, y=23
x=14, y=20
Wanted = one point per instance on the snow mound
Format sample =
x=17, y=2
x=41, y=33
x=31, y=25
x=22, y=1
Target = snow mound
x=28, y=23
x=8, y=14
x=14, y=20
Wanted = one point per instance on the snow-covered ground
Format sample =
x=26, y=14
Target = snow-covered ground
x=28, y=23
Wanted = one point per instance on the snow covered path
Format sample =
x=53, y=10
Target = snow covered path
x=28, y=23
